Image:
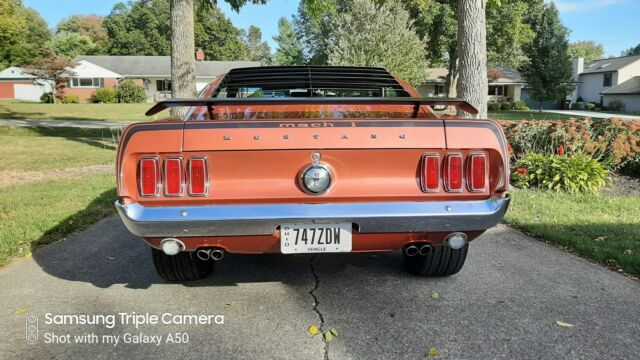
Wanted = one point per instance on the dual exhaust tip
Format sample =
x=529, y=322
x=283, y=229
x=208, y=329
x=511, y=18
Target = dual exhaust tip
x=172, y=246
x=455, y=241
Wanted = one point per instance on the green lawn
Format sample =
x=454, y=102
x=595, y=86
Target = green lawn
x=14, y=109
x=526, y=115
x=36, y=214
x=32, y=149
x=603, y=228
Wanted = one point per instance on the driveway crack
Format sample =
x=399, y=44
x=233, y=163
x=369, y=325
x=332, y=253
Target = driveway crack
x=315, y=306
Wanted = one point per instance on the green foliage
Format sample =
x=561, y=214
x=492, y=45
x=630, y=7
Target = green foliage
x=218, y=37
x=23, y=33
x=631, y=167
x=493, y=106
x=577, y=106
x=520, y=106
x=129, y=92
x=257, y=50
x=290, y=51
x=589, y=50
x=70, y=45
x=549, y=70
x=632, y=51
x=370, y=35
x=104, y=96
x=508, y=30
x=616, y=105
x=590, y=106
x=70, y=99
x=47, y=98
x=86, y=25
x=506, y=106
x=576, y=174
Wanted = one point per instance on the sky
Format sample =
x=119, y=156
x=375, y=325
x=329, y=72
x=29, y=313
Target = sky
x=614, y=23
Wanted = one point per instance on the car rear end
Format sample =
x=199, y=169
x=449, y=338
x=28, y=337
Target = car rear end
x=311, y=176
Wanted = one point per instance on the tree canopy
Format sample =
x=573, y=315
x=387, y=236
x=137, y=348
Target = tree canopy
x=70, y=44
x=549, y=70
x=589, y=50
x=632, y=51
x=289, y=51
x=378, y=35
x=257, y=50
x=86, y=25
x=23, y=33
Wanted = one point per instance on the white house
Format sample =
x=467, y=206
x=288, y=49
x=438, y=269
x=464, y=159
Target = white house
x=15, y=83
x=605, y=80
x=152, y=72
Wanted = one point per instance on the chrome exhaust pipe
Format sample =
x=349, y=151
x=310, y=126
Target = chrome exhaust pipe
x=216, y=254
x=425, y=249
x=204, y=254
x=411, y=250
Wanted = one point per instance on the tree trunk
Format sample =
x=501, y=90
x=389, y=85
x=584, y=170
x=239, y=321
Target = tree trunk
x=472, y=52
x=183, y=62
x=452, y=76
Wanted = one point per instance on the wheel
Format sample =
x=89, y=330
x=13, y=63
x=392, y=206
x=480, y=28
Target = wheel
x=441, y=261
x=184, y=266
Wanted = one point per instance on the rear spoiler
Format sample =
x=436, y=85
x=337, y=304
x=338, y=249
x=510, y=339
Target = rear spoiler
x=212, y=102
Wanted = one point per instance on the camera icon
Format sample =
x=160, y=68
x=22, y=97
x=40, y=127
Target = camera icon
x=31, y=331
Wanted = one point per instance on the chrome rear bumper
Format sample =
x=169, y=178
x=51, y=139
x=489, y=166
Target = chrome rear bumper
x=376, y=217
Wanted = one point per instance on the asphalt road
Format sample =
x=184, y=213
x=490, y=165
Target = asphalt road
x=504, y=304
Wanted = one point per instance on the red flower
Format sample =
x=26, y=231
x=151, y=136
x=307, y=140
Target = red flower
x=560, y=150
x=522, y=171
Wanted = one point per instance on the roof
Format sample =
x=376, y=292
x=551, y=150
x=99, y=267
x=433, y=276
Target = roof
x=134, y=66
x=631, y=86
x=14, y=72
x=608, y=65
x=312, y=79
x=509, y=76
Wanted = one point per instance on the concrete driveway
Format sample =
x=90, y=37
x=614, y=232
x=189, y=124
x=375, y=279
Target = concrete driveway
x=593, y=114
x=504, y=304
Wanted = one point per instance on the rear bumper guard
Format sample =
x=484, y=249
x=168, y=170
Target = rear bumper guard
x=372, y=217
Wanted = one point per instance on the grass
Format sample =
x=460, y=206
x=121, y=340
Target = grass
x=37, y=214
x=603, y=228
x=15, y=109
x=527, y=115
x=23, y=148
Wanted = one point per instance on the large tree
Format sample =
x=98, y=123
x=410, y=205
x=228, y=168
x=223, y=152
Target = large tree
x=139, y=28
x=589, y=50
x=23, y=34
x=549, y=70
x=289, y=51
x=472, y=49
x=257, y=50
x=69, y=45
x=86, y=25
x=632, y=51
x=378, y=35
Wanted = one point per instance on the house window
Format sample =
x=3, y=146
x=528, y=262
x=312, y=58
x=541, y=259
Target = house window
x=607, y=80
x=497, y=90
x=163, y=85
x=86, y=82
x=438, y=90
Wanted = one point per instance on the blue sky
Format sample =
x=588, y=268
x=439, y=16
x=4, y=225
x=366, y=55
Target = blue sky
x=613, y=23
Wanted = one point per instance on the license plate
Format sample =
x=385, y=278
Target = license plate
x=315, y=238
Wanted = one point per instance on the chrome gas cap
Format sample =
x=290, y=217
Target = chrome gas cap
x=315, y=179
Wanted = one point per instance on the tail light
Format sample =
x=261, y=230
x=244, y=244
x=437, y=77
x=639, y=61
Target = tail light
x=430, y=173
x=173, y=177
x=476, y=172
x=453, y=173
x=198, y=177
x=149, y=177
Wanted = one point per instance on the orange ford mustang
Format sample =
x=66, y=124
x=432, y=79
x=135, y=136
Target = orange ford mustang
x=311, y=160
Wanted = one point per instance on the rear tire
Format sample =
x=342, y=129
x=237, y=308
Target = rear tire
x=184, y=266
x=441, y=261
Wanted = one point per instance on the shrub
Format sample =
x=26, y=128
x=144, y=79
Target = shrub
x=506, y=106
x=130, y=92
x=576, y=106
x=521, y=106
x=590, y=106
x=70, y=99
x=493, y=106
x=47, y=98
x=631, y=167
x=104, y=96
x=577, y=173
x=616, y=105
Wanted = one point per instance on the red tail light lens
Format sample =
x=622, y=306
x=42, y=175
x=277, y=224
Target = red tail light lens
x=198, y=177
x=173, y=177
x=453, y=173
x=149, y=177
x=430, y=175
x=476, y=172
